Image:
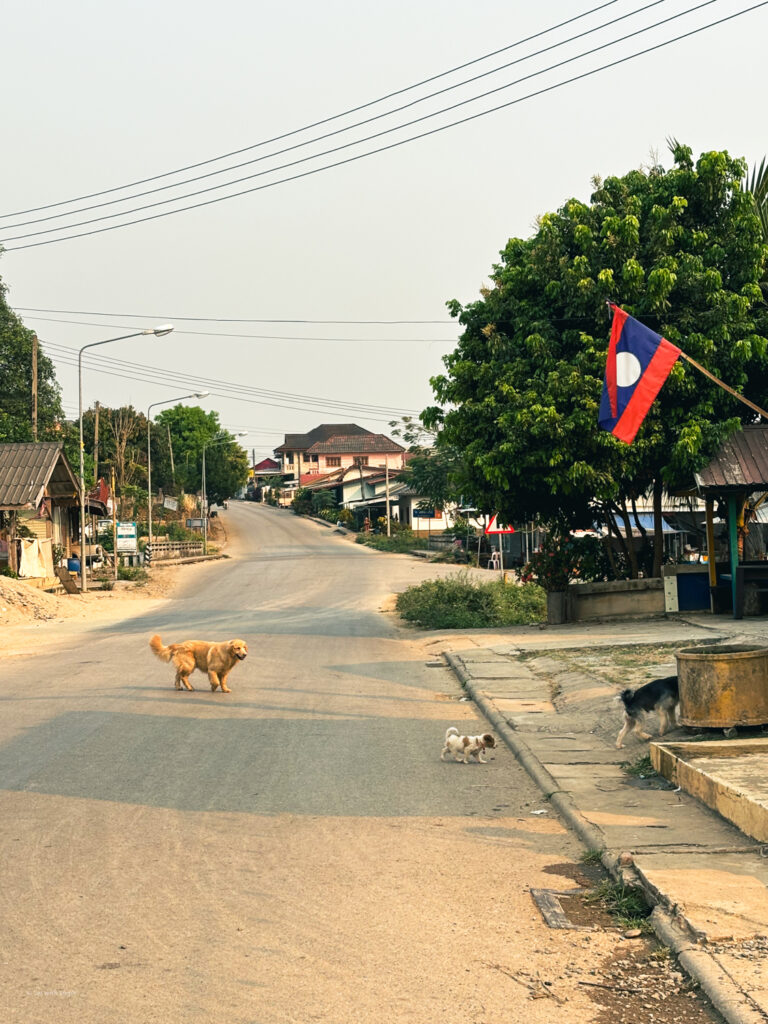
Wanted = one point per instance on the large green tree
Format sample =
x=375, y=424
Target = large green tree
x=190, y=428
x=681, y=250
x=16, y=342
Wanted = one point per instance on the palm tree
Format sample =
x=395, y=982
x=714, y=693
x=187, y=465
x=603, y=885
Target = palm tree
x=757, y=184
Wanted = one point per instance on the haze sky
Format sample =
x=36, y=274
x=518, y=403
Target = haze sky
x=99, y=95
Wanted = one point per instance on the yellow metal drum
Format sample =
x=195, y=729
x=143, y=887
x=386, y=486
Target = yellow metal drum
x=723, y=685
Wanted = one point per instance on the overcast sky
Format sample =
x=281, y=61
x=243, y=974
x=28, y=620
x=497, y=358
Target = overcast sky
x=98, y=96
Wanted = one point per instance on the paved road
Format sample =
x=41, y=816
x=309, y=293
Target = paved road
x=293, y=851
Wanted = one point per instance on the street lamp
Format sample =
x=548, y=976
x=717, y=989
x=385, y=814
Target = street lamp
x=210, y=444
x=159, y=332
x=167, y=401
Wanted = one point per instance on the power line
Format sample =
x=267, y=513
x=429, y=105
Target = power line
x=234, y=392
x=272, y=337
x=346, y=145
x=315, y=124
x=393, y=145
x=217, y=320
x=337, y=131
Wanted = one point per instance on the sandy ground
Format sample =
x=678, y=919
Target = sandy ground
x=31, y=618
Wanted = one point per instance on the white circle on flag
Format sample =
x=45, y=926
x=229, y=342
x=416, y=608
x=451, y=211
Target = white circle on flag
x=628, y=369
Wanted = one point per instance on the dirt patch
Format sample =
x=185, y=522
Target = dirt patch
x=641, y=981
x=19, y=602
x=645, y=984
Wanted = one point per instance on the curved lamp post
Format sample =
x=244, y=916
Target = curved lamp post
x=167, y=401
x=211, y=444
x=159, y=332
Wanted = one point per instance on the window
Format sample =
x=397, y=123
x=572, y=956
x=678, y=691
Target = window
x=361, y=460
x=333, y=460
x=289, y=458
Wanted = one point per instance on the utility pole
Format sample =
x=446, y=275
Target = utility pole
x=34, y=387
x=114, y=523
x=96, y=443
x=170, y=447
x=386, y=473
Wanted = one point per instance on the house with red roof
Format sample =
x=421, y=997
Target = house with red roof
x=338, y=446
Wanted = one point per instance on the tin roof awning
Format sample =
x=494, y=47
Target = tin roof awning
x=740, y=464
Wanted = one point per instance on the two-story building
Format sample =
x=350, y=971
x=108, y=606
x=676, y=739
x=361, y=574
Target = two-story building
x=334, y=446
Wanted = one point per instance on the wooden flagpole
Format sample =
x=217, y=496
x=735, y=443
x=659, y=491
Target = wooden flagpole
x=712, y=377
x=723, y=385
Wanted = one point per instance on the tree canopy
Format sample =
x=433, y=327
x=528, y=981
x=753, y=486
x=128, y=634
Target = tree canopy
x=679, y=249
x=16, y=342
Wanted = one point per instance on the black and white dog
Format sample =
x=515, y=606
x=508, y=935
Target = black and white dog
x=660, y=695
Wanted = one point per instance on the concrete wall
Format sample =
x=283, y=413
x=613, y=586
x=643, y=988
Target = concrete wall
x=615, y=600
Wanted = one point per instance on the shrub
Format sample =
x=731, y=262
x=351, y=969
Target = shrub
x=302, y=502
x=7, y=571
x=562, y=558
x=400, y=542
x=133, y=573
x=459, y=602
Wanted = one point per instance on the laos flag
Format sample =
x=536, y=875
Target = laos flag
x=639, y=361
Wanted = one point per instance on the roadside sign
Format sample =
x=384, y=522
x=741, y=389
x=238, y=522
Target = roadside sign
x=127, y=538
x=428, y=513
x=170, y=503
x=493, y=526
x=194, y=524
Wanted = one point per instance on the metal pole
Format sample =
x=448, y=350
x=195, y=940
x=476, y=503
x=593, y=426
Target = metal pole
x=205, y=511
x=34, y=387
x=386, y=467
x=158, y=331
x=149, y=484
x=83, y=579
x=114, y=523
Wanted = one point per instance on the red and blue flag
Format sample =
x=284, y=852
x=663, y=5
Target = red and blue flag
x=639, y=361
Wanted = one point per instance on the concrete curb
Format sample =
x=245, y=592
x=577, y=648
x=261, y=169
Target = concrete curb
x=727, y=998
x=162, y=563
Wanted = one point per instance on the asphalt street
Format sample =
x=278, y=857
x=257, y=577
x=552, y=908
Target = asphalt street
x=292, y=851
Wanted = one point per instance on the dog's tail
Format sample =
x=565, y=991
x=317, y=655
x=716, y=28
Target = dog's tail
x=626, y=698
x=453, y=731
x=164, y=653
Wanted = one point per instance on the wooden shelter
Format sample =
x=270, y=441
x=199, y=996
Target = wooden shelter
x=38, y=504
x=738, y=471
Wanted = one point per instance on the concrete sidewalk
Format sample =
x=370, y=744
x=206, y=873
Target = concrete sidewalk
x=549, y=693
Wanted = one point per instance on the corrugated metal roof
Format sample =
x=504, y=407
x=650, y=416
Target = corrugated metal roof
x=365, y=444
x=741, y=463
x=27, y=468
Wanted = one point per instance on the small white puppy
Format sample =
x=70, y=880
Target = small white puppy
x=464, y=747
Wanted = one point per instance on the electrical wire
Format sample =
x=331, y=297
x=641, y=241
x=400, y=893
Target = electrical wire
x=217, y=320
x=315, y=124
x=340, y=131
x=393, y=145
x=272, y=337
x=237, y=392
x=354, y=142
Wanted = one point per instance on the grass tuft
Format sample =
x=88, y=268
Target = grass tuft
x=626, y=903
x=641, y=768
x=592, y=857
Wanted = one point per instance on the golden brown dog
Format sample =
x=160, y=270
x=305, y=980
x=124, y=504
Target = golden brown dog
x=217, y=660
